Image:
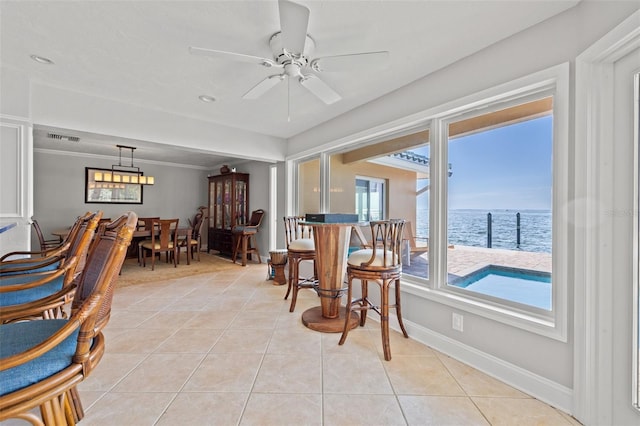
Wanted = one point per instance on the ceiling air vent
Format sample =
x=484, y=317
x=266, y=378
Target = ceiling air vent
x=63, y=137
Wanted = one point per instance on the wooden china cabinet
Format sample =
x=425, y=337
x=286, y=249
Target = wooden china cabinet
x=228, y=206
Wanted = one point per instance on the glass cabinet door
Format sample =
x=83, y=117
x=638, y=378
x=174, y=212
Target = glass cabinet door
x=218, y=205
x=226, y=220
x=241, y=199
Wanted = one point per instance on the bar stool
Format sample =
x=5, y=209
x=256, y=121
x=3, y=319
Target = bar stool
x=244, y=238
x=300, y=246
x=381, y=264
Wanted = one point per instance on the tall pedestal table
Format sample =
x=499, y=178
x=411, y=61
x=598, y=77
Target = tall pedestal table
x=332, y=246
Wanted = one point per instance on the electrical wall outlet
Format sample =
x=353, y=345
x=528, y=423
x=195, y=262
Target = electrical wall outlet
x=457, y=322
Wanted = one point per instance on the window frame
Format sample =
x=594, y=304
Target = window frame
x=383, y=205
x=551, y=82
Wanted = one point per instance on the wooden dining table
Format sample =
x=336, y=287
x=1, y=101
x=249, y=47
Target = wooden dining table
x=138, y=236
x=332, y=247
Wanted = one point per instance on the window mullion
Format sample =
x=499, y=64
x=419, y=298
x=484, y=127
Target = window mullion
x=438, y=204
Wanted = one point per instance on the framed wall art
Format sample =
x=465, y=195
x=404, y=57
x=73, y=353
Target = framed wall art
x=105, y=187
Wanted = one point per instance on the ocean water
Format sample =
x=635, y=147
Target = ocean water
x=469, y=228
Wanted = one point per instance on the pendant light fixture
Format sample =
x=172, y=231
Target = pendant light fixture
x=124, y=174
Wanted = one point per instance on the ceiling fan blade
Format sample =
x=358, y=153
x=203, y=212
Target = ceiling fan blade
x=350, y=61
x=238, y=57
x=320, y=89
x=294, y=20
x=263, y=87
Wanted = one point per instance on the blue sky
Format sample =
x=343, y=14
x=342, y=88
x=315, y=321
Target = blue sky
x=504, y=168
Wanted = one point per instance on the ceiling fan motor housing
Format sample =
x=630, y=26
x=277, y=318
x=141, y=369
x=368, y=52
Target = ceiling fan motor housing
x=283, y=57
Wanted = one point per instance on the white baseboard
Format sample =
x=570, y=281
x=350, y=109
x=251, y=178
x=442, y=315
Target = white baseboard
x=539, y=387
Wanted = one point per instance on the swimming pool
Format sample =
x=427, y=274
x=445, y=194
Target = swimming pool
x=518, y=285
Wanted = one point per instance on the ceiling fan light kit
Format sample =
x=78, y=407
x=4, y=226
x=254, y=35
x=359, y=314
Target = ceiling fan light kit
x=292, y=49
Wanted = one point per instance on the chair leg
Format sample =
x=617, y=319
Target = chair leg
x=254, y=247
x=47, y=413
x=384, y=319
x=398, y=309
x=295, y=281
x=365, y=301
x=347, y=312
x=144, y=258
x=75, y=403
x=291, y=260
x=245, y=240
x=236, y=244
x=153, y=259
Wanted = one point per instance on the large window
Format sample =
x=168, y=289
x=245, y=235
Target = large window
x=499, y=205
x=481, y=184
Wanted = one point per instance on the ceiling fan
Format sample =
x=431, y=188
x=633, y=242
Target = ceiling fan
x=292, y=50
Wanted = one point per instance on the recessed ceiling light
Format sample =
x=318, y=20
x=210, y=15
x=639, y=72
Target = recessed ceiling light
x=206, y=98
x=42, y=60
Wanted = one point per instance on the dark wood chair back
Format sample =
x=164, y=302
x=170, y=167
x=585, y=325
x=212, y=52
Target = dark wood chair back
x=294, y=230
x=164, y=239
x=256, y=218
x=386, y=250
x=45, y=244
x=145, y=223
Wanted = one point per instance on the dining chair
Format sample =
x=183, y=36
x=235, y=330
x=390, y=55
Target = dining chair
x=382, y=264
x=244, y=238
x=41, y=362
x=44, y=243
x=144, y=224
x=164, y=237
x=193, y=245
x=300, y=247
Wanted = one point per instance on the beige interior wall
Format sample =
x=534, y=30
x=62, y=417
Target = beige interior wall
x=309, y=187
x=401, y=187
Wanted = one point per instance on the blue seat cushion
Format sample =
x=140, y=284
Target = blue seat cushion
x=28, y=295
x=18, y=337
x=8, y=269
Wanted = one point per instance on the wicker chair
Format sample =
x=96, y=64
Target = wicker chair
x=382, y=264
x=300, y=246
x=41, y=362
x=43, y=291
x=77, y=241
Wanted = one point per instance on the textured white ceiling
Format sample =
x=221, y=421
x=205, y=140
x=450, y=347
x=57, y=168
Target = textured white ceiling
x=137, y=51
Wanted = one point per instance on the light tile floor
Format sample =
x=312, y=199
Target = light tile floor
x=223, y=349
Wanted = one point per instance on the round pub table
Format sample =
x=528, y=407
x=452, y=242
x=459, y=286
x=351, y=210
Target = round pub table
x=332, y=246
